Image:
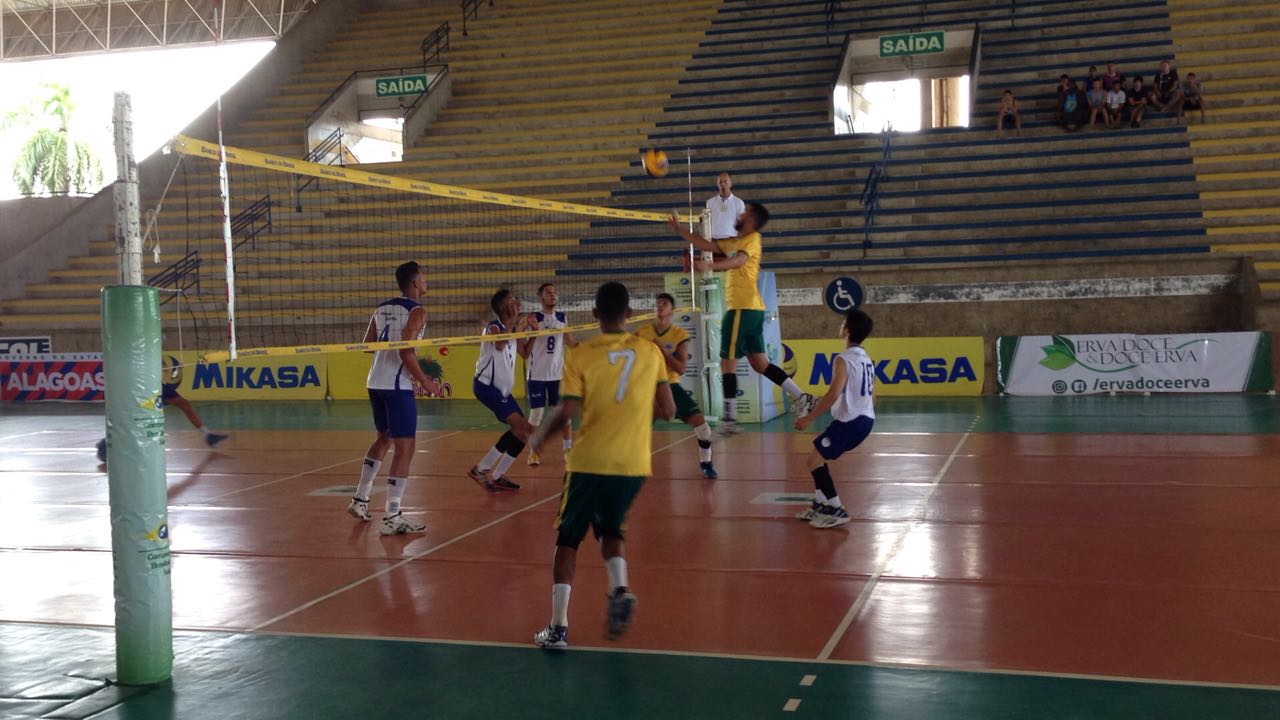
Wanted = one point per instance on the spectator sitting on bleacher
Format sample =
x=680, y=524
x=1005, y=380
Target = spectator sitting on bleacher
x=1074, y=107
x=1007, y=113
x=1097, y=104
x=1137, y=99
x=1113, y=79
x=1192, y=96
x=1115, y=105
x=1092, y=80
x=1064, y=83
x=1166, y=91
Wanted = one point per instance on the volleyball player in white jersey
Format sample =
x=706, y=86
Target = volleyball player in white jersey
x=495, y=377
x=393, y=379
x=851, y=401
x=544, y=356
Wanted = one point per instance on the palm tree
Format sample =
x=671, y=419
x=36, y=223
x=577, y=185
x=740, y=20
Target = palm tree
x=51, y=161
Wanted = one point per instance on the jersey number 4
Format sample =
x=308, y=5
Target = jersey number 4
x=628, y=358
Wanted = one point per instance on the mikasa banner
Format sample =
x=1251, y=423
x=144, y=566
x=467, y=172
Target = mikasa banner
x=1090, y=364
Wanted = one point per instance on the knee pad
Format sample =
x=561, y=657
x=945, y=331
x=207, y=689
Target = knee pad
x=703, y=433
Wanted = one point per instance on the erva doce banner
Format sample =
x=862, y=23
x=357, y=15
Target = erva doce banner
x=1090, y=364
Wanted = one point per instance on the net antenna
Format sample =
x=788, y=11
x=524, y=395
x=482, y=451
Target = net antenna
x=225, y=192
x=693, y=282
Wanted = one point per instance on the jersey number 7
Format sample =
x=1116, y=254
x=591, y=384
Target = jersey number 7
x=628, y=358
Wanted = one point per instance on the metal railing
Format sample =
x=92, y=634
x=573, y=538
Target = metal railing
x=180, y=276
x=470, y=8
x=829, y=11
x=330, y=146
x=435, y=43
x=870, y=199
x=251, y=222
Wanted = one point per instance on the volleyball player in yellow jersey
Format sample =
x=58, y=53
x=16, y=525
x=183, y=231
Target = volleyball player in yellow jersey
x=673, y=341
x=742, y=330
x=620, y=382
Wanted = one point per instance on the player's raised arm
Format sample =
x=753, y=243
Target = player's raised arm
x=736, y=260
x=692, y=238
x=839, y=377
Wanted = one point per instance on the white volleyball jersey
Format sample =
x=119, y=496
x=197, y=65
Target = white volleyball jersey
x=859, y=390
x=724, y=215
x=390, y=319
x=494, y=367
x=546, y=353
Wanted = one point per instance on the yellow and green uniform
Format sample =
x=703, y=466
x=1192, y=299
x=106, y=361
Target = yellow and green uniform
x=742, y=330
x=614, y=376
x=669, y=342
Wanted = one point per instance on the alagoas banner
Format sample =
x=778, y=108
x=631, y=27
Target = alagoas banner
x=904, y=366
x=1090, y=364
x=67, y=376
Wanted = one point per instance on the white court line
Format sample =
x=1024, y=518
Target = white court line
x=791, y=705
x=424, y=553
x=229, y=493
x=807, y=680
x=894, y=549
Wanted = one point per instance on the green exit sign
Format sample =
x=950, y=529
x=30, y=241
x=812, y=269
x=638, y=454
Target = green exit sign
x=911, y=44
x=400, y=85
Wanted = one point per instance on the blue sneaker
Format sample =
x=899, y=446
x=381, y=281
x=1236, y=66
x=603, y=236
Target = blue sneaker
x=709, y=471
x=552, y=637
x=212, y=439
x=622, y=605
x=102, y=450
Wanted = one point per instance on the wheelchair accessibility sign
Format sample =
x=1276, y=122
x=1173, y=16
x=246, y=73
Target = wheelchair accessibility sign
x=843, y=294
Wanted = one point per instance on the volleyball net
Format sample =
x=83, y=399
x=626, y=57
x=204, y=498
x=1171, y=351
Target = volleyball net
x=303, y=252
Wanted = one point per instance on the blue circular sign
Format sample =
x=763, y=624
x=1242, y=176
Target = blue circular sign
x=843, y=294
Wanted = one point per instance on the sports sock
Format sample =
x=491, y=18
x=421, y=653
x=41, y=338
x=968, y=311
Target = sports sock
x=395, y=491
x=368, y=473
x=504, y=464
x=490, y=458
x=568, y=444
x=703, y=433
x=823, y=483
x=729, y=384
x=535, y=416
x=617, y=568
x=560, y=604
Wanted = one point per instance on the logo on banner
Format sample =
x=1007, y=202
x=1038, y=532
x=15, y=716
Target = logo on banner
x=842, y=295
x=1118, y=354
x=213, y=375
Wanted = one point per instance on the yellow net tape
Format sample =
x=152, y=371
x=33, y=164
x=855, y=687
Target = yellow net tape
x=222, y=356
x=253, y=158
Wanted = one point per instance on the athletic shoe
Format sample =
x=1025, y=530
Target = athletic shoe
x=397, y=524
x=728, y=428
x=552, y=638
x=481, y=477
x=534, y=460
x=212, y=439
x=810, y=513
x=504, y=483
x=622, y=605
x=359, y=509
x=102, y=450
x=805, y=404
x=708, y=470
x=829, y=516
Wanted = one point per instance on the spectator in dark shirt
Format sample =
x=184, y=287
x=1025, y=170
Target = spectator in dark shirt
x=1092, y=79
x=1007, y=113
x=1137, y=102
x=1166, y=91
x=1074, y=107
x=1193, y=96
x=1064, y=82
x=1113, y=78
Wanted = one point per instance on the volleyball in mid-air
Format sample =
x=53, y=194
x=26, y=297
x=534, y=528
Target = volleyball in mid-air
x=654, y=162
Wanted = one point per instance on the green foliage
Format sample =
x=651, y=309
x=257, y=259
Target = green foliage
x=51, y=160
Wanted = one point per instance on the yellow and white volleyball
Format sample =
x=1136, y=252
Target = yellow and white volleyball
x=789, y=364
x=655, y=162
x=170, y=371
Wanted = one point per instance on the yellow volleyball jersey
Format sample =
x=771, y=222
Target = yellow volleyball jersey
x=615, y=376
x=667, y=341
x=741, y=292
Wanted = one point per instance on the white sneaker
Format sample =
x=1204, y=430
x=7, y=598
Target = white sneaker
x=829, y=516
x=810, y=512
x=397, y=524
x=728, y=428
x=805, y=404
x=359, y=509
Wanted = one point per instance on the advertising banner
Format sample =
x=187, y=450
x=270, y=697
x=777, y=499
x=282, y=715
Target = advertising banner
x=904, y=366
x=1090, y=364
x=69, y=376
x=250, y=378
x=453, y=366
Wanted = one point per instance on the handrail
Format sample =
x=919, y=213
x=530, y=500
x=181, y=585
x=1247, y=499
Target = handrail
x=870, y=198
x=324, y=104
x=247, y=221
x=180, y=275
x=472, y=8
x=832, y=7
x=331, y=144
x=435, y=43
